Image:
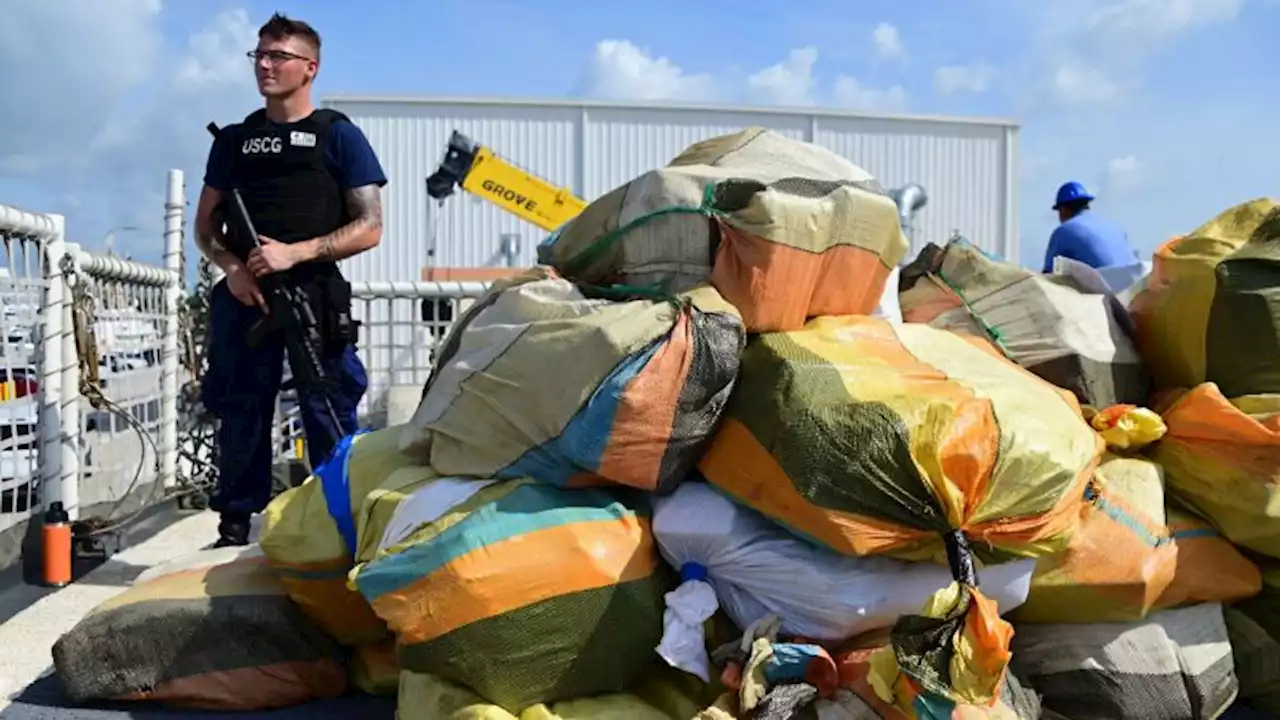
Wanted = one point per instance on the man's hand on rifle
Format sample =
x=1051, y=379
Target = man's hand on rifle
x=244, y=287
x=272, y=256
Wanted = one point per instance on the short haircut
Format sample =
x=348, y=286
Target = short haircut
x=1076, y=206
x=281, y=26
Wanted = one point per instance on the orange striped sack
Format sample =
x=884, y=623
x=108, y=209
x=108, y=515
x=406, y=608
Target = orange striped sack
x=871, y=438
x=312, y=533
x=1130, y=557
x=1221, y=456
x=524, y=592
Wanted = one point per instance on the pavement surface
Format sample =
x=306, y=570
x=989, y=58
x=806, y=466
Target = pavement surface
x=34, y=618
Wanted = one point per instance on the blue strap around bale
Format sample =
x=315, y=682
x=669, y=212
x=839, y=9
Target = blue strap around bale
x=336, y=486
x=693, y=571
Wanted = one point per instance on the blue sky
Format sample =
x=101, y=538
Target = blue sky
x=1163, y=107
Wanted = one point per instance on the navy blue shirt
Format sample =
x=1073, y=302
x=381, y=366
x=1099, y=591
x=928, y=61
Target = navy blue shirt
x=351, y=159
x=1091, y=240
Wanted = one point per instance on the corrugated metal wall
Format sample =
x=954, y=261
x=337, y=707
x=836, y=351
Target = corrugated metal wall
x=968, y=168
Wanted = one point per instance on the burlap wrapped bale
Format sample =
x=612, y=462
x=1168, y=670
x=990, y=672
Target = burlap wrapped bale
x=524, y=592
x=661, y=693
x=873, y=438
x=1175, y=665
x=539, y=380
x=312, y=533
x=1130, y=556
x=1067, y=334
x=1254, y=628
x=784, y=229
x=1210, y=311
x=214, y=630
x=1221, y=456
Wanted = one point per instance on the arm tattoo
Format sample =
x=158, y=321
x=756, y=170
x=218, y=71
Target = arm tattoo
x=212, y=241
x=364, y=206
x=326, y=248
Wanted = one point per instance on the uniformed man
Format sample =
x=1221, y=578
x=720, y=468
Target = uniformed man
x=312, y=185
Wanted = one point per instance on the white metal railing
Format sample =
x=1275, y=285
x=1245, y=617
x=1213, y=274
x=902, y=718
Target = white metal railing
x=128, y=391
x=99, y=445
x=31, y=299
x=55, y=446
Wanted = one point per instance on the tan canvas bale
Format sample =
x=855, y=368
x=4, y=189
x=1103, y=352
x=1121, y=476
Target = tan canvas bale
x=784, y=229
x=1070, y=335
x=545, y=381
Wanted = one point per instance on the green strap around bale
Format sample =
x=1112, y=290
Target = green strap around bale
x=996, y=337
x=597, y=249
x=659, y=291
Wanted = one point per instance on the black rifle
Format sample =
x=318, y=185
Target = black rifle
x=290, y=312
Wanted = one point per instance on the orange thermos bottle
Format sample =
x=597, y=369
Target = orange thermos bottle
x=57, y=546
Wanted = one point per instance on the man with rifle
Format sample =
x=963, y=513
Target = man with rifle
x=299, y=189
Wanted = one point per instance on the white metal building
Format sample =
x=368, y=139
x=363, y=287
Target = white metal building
x=968, y=167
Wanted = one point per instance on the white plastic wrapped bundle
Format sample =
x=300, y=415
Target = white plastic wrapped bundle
x=732, y=556
x=889, y=309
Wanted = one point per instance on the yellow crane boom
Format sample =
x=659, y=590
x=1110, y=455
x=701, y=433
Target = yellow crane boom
x=481, y=172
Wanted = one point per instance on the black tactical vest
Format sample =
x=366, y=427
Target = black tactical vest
x=282, y=173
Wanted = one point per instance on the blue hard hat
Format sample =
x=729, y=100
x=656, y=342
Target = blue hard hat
x=1071, y=192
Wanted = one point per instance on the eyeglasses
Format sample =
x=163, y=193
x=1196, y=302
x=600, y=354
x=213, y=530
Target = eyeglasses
x=275, y=57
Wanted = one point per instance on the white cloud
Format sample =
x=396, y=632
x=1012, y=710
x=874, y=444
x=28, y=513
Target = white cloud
x=852, y=93
x=790, y=82
x=1124, y=165
x=99, y=131
x=1077, y=83
x=68, y=65
x=1124, y=173
x=215, y=55
x=210, y=81
x=620, y=70
x=888, y=42
x=1153, y=20
x=1119, y=39
x=975, y=78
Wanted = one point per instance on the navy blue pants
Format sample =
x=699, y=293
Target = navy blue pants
x=240, y=389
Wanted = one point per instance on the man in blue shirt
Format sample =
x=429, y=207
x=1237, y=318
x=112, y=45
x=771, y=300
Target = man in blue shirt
x=312, y=186
x=1084, y=236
